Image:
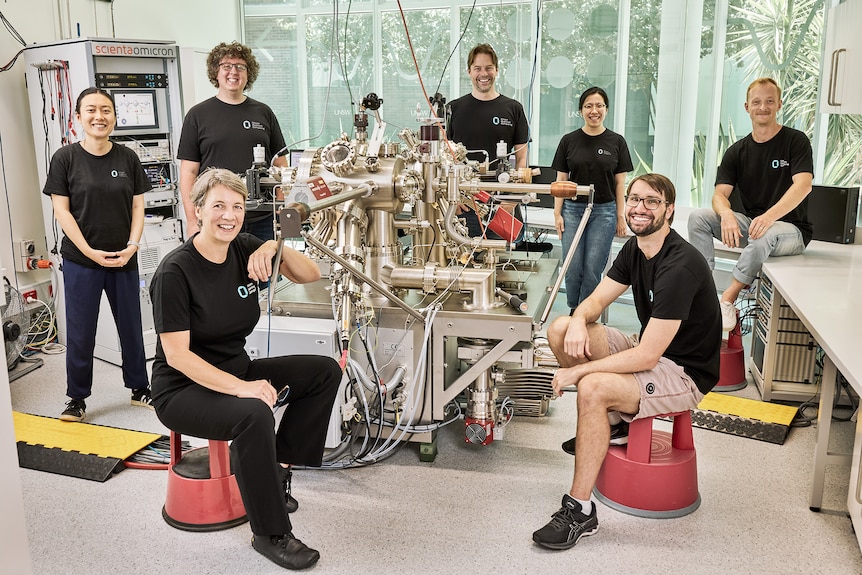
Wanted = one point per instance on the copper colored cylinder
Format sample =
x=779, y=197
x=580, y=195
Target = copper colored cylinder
x=568, y=190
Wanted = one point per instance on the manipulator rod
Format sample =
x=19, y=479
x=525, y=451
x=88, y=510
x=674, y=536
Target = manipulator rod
x=569, y=190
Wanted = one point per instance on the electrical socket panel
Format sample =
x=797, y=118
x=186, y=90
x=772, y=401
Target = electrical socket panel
x=24, y=251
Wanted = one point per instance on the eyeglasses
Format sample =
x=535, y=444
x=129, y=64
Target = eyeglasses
x=227, y=67
x=649, y=203
x=598, y=107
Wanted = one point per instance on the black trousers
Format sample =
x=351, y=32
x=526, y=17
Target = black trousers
x=256, y=447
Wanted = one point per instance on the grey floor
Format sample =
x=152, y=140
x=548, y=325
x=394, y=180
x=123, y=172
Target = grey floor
x=472, y=510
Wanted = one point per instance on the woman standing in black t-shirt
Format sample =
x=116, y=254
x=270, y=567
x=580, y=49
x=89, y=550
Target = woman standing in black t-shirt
x=96, y=189
x=594, y=155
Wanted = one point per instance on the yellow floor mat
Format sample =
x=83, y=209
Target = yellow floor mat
x=744, y=417
x=76, y=449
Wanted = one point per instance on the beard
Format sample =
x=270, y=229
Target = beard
x=641, y=230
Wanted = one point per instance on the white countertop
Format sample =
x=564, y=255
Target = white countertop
x=823, y=285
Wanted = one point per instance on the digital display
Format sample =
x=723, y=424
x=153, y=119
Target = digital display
x=136, y=109
x=295, y=156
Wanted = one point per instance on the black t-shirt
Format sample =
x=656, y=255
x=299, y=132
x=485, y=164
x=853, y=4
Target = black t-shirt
x=593, y=160
x=216, y=303
x=222, y=135
x=100, y=191
x=480, y=124
x=676, y=283
x=763, y=172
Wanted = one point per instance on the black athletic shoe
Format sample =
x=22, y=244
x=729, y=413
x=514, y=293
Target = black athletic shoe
x=567, y=526
x=286, y=477
x=75, y=410
x=285, y=550
x=619, y=436
x=142, y=397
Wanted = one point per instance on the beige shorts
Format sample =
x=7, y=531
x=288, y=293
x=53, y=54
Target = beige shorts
x=664, y=389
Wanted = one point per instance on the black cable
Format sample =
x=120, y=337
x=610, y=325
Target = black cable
x=12, y=31
x=377, y=381
x=11, y=63
x=455, y=47
x=533, y=69
x=344, y=54
x=433, y=242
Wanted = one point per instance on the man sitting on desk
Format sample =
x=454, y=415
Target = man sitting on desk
x=619, y=379
x=772, y=168
x=484, y=117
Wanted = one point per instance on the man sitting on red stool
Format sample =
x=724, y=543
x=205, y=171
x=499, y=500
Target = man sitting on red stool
x=674, y=364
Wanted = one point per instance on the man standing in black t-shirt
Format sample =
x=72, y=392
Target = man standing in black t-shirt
x=772, y=169
x=222, y=131
x=669, y=368
x=482, y=118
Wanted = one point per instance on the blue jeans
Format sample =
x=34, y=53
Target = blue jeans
x=591, y=256
x=83, y=288
x=781, y=239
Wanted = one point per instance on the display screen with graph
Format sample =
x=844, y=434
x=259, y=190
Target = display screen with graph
x=136, y=109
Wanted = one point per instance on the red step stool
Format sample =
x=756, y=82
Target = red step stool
x=732, y=368
x=203, y=494
x=655, y=474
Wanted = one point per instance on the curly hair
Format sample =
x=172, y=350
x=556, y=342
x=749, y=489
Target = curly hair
x=232, y=50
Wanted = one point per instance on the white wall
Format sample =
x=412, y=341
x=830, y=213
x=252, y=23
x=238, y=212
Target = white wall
x=197, y=24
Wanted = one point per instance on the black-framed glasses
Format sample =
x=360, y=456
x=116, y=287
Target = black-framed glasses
x=227, y=67
x=649, y=203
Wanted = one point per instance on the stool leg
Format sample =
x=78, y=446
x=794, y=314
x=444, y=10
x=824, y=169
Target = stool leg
x=682, y=437
x=640, y=440
x=219, y=459
x=176, y=447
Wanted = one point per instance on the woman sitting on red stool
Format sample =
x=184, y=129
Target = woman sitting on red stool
x=205, y=303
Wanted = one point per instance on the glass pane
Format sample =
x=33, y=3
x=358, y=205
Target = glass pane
x=272, y=4
x=339, y=72
x=782, y=39
x=404, y=101
x=579, y=50
x=642, y=77
x=273, y=40
x=507, y=29
x=701, y=190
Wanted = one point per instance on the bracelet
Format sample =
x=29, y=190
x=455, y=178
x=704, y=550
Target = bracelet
x=131, y=243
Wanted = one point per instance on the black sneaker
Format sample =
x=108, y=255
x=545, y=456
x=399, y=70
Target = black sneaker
x=286, y=477
x=75, y=410
x=567, y=526
x=285, y=550
x=619, y=436
x=142, y=397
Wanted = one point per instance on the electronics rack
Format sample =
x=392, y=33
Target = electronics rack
x=786, y=370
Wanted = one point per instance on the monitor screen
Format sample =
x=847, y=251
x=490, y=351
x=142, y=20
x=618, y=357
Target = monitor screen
x=136, y=109
x=295, y=156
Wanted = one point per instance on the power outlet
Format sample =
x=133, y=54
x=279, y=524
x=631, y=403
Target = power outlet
x=30, y=296
x=26, y=250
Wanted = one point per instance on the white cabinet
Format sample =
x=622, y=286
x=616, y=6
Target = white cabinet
x=841, y=77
